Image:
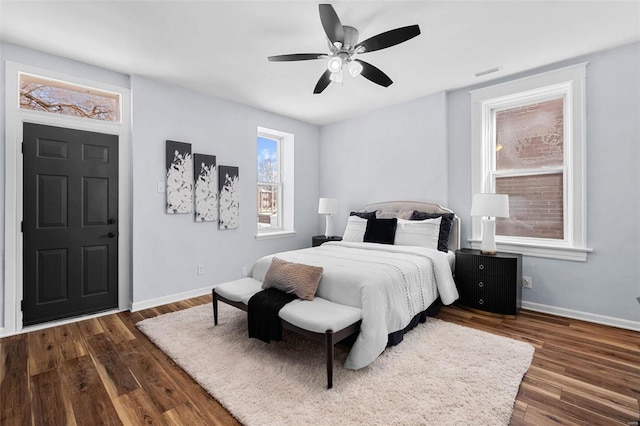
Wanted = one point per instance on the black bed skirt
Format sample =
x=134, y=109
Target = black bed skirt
x=397, y=336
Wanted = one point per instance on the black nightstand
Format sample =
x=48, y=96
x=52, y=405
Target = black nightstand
x=316, y=240
x=489, y=282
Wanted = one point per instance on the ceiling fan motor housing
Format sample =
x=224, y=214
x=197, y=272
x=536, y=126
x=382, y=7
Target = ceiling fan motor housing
x=350, y=37
x=347, y=48
x=343, y=51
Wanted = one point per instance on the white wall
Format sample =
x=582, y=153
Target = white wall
x=168, y=248
x=395, y=153
x=609, y=282
x=417, y=150
x=421, y=150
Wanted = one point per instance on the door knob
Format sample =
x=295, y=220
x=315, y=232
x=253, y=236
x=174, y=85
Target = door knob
x=109, y=235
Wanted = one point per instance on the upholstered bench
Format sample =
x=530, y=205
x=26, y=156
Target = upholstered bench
x=318, y=319
x=233, y=292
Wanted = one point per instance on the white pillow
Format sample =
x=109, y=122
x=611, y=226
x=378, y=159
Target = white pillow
x=422, y=233
x=354, y=232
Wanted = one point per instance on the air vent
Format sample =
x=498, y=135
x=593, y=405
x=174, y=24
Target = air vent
x=489, y=71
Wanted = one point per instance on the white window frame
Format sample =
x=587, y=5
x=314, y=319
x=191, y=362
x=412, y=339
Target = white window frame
x=14, y=118
x=285, y=225
x=566, y=82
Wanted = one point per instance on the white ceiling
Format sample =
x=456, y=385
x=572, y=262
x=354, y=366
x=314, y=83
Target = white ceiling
x=221, y=47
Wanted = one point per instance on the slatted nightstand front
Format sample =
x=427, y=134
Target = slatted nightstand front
x=489, y=282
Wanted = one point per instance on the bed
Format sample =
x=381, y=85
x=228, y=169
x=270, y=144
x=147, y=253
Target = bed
x=394, y=285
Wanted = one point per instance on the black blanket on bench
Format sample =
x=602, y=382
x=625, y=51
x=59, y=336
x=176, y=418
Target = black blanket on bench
x=262, y=314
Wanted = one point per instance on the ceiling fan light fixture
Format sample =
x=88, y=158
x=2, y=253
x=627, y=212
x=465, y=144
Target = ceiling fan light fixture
x=335, y=64
x=355, y=68
x=337, y=77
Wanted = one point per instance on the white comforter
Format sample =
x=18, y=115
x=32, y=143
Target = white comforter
x=391, y=284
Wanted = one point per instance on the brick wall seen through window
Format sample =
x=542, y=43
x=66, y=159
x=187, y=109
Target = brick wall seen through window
x=529, y=167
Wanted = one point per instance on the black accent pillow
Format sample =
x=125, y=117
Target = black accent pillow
x=364, y=215
x=445, y=226
x=381, y=231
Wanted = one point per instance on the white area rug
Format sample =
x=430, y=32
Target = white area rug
x=441, y=374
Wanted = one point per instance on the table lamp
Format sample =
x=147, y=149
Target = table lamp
x=328, y=206
x=489, y=206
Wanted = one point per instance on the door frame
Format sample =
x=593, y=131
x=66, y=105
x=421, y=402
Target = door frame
x=14, y=120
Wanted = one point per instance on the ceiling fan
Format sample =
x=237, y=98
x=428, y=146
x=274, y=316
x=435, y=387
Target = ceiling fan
x=343, y=45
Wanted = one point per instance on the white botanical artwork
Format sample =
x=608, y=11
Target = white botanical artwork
x=179, y=178
x=206, y=188
x=229, y=184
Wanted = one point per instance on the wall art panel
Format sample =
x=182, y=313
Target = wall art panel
x=229, y=185
x=206, y=188
x=179, y=178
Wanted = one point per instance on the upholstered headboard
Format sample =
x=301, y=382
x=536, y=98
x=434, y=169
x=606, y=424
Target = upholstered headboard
x=402, y=206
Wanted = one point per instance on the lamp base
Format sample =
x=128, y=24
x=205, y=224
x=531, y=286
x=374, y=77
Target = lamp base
x=488, y=244
x=328, y=231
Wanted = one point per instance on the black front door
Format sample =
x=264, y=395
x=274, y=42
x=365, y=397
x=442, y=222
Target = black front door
x=70, y=223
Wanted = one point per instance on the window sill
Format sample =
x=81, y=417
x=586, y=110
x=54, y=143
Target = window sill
x=576, y=254
x=275, y=234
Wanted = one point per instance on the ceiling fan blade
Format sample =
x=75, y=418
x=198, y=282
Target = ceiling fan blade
x=297, y=57
x=324, y=81
x=374, y=74
x=331, y=23
x=389, y=38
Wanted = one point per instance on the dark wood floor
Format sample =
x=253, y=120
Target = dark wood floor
x=104, y=371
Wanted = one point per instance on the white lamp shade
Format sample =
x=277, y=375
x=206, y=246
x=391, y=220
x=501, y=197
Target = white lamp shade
x=328, y=206
x=334, y=64
x=337, y=77
x=492, y=205
x=355, y=68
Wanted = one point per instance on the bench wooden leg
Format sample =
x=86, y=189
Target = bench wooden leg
x=215, y=306
x=329, y=349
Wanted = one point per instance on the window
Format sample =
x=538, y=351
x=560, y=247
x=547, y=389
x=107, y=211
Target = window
x=269, y=185
x=43, y=94
x=529, y=167
x=528, y=142
x=274, y=183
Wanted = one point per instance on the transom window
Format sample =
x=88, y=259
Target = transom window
x=59, y=97
x=528, y=141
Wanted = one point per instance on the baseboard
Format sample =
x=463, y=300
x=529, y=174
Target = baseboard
x=584, y=316
x=152, y=303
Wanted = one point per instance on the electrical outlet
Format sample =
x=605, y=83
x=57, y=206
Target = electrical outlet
x=200, y=269
x=527, y=282
x=160, y=187
x=244, y=271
